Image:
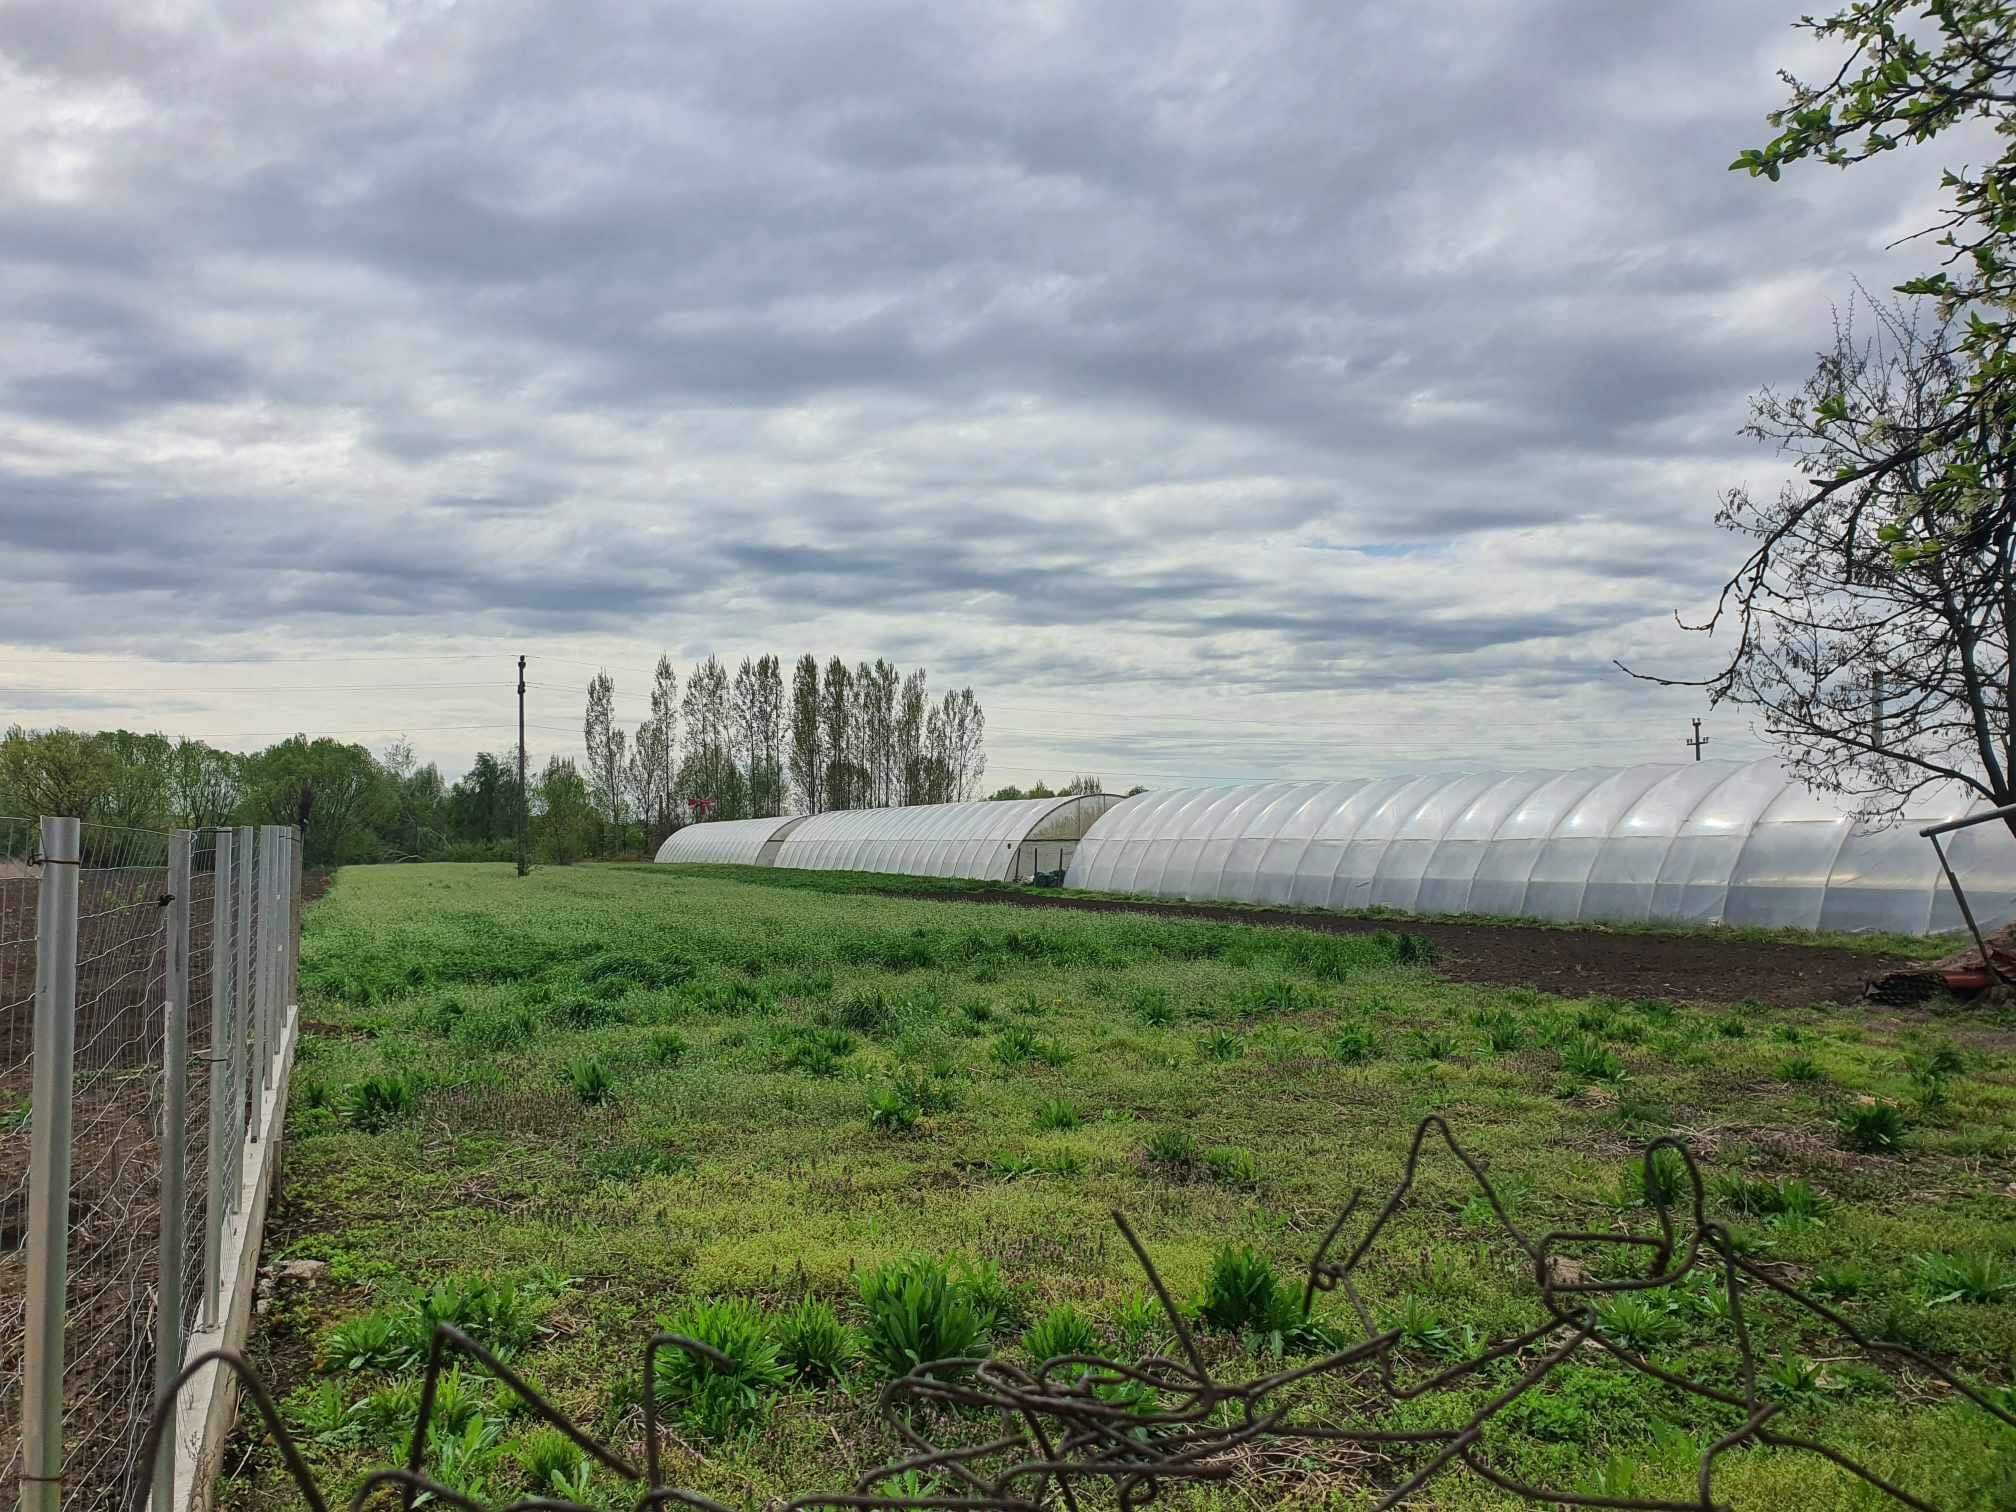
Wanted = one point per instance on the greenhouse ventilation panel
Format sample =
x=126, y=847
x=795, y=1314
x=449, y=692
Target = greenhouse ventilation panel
x=1689, y=843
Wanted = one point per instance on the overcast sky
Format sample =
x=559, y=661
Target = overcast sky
x=1223, y=390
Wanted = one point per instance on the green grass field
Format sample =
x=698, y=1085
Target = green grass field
x=571, y=1108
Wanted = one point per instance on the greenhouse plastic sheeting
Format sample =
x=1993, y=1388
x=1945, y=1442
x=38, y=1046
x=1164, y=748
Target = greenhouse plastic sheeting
x=1697, y=843
x=936, y=840
x=732, y=842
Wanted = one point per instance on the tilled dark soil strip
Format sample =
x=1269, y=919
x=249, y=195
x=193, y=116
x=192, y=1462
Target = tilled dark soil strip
x=1571, y=962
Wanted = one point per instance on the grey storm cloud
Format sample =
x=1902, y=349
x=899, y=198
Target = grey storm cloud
x=1325, y=351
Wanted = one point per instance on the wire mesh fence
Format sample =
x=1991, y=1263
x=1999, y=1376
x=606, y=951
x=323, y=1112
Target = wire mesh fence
x=126, y=1098
x=19, y=895
x=115, y=1142
x=196, y=1121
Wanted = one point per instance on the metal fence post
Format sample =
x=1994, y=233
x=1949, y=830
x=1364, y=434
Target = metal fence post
x=49, y=1169
x=283, y=930
x=174, y=1154
x=296, y=906
x=223, y=1077
x=244, y=988
x=269, y=942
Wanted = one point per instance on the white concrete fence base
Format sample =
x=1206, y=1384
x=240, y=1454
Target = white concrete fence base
x=208, y=1406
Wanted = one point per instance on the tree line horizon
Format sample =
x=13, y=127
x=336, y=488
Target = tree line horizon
x=743, y=746
x=838, y=737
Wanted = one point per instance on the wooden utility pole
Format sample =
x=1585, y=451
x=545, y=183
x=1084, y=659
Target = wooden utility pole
x=523, y=800
x=1698, y=741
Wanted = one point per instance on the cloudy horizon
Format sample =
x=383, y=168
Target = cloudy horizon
x=1221, y=392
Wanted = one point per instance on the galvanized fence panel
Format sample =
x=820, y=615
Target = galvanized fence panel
x=134, y=978
x=20, y=891
x=123, y=891
x=198, y=1140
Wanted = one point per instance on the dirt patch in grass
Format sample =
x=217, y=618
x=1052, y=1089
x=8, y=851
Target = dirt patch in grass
x=1573, y=963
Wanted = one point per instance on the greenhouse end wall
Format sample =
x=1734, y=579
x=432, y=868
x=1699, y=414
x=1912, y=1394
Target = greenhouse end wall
x=1688, y=843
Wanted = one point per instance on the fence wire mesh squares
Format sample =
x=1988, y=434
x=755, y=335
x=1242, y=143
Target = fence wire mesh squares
x=19, y=899
x=196, y=1110
x=122, y=1125
x=115, y=1216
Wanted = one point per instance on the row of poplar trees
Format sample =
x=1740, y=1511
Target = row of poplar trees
x=744, y=746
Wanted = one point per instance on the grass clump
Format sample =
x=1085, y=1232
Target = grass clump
x=1151, y=1005
x=378, y=1102
x=1014, y=1046
x=1503, y=1030
x=1354, y=1044
x=591, y=1082
x=724, y=1392
x=1232, y=1165
x=503, y=1316
x=815, y=1052
x=812, y=1342
x=1060, y=1332
x=552, y=1464
x=892, y=1111
x=1643, y=1321
x=635, y=1160
x=1243, y=1295
x=1657, y=1180
x=918, y=1313
x=1275, y=994
x=1976, y=1276
x=1057, y=1114
x=864, y=1012
x=1586, y=1058
x=1871, y=1126
x=1172, y=1151
x=1221, y=1046
x=1433, y=1043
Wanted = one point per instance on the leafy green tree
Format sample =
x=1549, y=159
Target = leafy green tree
x=836, y=735
x=807, y=739
x=653, y=765
x=709, y=770
x=483, y=804
x=910, y=714
x=204, y=784
x=139, y=791
x=55, y=772
x=418, y=825
x=565, y=815
x=605, y=742
x=1874, y=610
x=335, y=791
x=1911, y=71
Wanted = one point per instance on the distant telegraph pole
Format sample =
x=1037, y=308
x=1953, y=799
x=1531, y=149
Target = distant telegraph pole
x=522, y=868
x=1698, y=741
